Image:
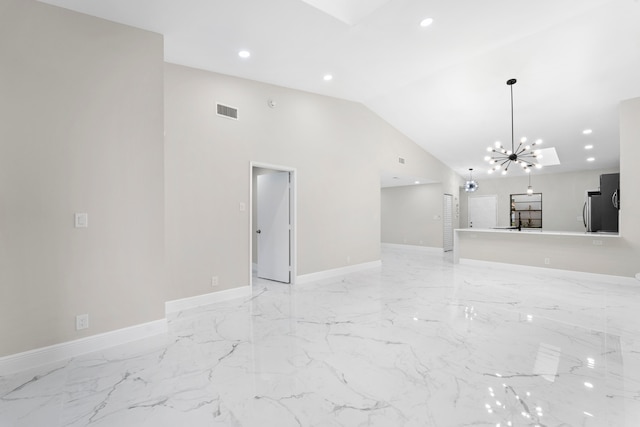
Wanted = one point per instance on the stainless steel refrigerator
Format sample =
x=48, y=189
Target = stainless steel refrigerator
x=610, y=201
x=600, y=211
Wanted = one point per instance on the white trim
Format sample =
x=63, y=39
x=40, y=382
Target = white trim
x=58, y=352
x=311, y=277
x=556, y=272
x=206, y=299
x=430, y=249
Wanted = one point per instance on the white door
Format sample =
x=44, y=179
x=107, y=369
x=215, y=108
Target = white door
x=273, y=230
x=447, y=223
x=482, y=212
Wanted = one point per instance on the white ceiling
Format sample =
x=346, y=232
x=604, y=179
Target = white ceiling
x=443, y=86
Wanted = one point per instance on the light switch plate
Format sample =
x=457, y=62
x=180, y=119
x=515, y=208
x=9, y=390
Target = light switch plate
x=82, y=220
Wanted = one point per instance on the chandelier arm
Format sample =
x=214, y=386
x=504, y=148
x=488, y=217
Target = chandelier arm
x=518, y=151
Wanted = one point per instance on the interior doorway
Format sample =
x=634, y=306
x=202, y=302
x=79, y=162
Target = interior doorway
x=272, y=223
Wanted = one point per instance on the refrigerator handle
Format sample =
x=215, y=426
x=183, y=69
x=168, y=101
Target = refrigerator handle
x=614, y=200
x=584, y=217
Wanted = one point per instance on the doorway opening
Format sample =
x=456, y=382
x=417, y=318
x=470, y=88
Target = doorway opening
x=272, y=223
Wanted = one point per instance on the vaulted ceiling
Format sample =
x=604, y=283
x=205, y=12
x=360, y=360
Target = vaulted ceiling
x=443, y=85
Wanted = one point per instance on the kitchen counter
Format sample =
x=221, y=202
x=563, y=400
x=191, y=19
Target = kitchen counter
x=538, y=231
x=568, y=250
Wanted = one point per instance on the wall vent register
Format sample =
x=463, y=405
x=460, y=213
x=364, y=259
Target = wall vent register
x=226, y=111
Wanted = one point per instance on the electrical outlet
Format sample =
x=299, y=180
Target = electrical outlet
x=547, y=261
x=597, y=242
x=82, y=321
x=214, y=281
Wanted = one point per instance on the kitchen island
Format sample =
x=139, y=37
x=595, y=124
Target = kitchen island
x=566, y=250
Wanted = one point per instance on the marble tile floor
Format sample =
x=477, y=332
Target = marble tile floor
x=417, y=342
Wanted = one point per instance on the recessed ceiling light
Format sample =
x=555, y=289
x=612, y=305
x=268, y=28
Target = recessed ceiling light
x=417, y=182
x=328, y=77
x=426, y=22
x=587, y=131
x=244, y=54
x=591, y=159
x=588, y=147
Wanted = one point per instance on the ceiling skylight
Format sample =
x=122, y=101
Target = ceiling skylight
x=350, y=12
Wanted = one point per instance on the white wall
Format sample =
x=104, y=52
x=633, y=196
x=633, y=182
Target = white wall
x=82, y=121
x=563, y=196
x=337, y=147
x=412, y=215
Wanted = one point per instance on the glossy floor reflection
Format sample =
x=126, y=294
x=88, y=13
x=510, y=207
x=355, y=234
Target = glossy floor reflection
x=418, y=342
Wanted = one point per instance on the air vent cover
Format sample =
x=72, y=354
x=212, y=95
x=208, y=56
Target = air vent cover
x=226, y=111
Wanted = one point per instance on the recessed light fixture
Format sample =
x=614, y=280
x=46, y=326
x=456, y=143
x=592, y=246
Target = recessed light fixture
x=426, y=22
x=591, y=159
x=244, y=54
x=417, y=182
x=588, y=147
x=328, y=77
x=587, y=132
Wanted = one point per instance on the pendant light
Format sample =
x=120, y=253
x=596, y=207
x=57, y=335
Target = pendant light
x=524, y=155
x=470, y=186
x=529, y=188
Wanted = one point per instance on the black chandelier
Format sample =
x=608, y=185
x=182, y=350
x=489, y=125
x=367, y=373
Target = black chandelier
x=524, y=156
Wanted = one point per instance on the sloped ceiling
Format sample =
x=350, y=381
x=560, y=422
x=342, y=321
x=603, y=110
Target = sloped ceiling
x=444, y=86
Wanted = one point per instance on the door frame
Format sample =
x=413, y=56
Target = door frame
x=293, y=206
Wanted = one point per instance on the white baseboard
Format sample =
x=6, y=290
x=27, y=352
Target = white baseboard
x=206, y=299
x=430, y=249
x=311, y=277
x=607, y=278
x=58, y=352
x=66, y=350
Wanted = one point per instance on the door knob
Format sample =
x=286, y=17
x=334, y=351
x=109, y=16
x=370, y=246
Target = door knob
x=258, y=231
